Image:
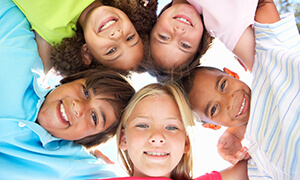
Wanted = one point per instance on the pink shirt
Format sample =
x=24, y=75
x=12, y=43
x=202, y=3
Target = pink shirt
x=214, y=175
x=226, y=20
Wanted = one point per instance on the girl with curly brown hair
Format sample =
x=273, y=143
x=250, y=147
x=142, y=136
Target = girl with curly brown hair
x=92, y=33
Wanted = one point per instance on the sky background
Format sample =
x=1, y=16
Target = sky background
x=206, y=157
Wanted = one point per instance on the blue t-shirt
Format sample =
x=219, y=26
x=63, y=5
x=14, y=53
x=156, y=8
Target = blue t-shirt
x=28, y=151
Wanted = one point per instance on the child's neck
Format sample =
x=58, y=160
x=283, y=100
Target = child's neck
x=179, y=1
x=86, y=10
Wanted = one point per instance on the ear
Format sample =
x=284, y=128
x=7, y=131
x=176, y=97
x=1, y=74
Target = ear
x=123, y=143
x=231, y=73
x=211, y=126
x=187, y=145
x=86, y=55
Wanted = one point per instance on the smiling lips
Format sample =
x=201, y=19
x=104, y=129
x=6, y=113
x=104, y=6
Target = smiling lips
x=156, y=153
x=243, y=107
x=63, y=113
x=107, y=23
x=183, y=19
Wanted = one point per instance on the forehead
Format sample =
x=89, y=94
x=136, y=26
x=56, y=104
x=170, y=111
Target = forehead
x=158, y=105
x=206, y=77
x=203, y=89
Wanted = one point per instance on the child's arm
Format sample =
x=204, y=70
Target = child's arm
x=266, y=12
x=44, y=51
x=238, y=171
x=245, y=48
x=230, y=147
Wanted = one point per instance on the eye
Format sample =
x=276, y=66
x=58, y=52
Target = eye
x=112, y=50
x=213, y=110
x=142, y=126
x=86, y=93
x=95, y=119
x=163, y=37
x=171, y=128
x=223, y=85
x=130, y=37
x=186, y=46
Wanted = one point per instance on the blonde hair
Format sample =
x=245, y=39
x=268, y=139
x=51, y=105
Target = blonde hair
x=184, y=168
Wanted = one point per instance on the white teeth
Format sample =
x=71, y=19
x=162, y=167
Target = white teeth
x=242, y=107
x=157, y=153
x=106, y=25
x=63, y=112
x=183, y=20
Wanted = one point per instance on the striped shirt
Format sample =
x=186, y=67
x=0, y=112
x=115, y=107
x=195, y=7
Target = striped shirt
x=273, y=130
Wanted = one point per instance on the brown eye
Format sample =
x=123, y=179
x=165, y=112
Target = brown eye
x=223, y=85
x=213, y=110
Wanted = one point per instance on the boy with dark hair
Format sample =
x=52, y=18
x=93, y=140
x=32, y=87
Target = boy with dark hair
x=270, y=112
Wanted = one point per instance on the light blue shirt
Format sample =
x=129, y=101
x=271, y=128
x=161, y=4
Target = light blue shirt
x=273, y=130
x=27, y=151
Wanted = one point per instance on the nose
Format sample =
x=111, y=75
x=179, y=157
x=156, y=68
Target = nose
x=116, y=34
x=179, y=30
x=157, y=137
x=78, y=108
x=229, y=101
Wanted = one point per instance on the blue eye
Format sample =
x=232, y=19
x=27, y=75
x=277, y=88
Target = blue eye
x=163, y=37
x=130, y=38
x=142, y=126
x=112, y=50
x=185, y=45
x=86, y=93
x=94, y=117
x=171, y=128
x=223, y=85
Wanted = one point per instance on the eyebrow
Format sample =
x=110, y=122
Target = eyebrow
x=206, y=109
x=103, y=117
x=101, y=112
x=136, y=42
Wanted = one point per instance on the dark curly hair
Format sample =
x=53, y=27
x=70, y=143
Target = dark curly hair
x=110, y=83
x=66, y=57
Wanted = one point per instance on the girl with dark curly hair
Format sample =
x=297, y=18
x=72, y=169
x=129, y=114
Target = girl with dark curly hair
x=91, y=33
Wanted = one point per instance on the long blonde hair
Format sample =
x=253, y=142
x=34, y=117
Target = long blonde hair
x=184, y=168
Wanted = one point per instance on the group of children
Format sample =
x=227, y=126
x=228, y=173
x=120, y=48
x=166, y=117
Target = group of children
x=44, y=130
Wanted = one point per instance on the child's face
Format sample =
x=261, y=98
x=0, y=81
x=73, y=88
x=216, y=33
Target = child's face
x=220, y=99
x=112, y=39
x=176, y=35
x=71, y=112
x=155, y=137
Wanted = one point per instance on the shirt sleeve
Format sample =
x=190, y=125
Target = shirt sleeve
x=283, y=34
x=53, y=20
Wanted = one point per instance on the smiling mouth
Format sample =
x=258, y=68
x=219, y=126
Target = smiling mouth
x=242, y=107
x=63, y=113
x=107, y=24
x=184, y=20
x=158, y=154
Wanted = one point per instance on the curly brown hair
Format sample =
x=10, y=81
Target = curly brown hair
x=66, y=57
x=112, y=84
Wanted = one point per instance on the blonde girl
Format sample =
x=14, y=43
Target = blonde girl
x=171, y=98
